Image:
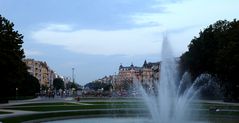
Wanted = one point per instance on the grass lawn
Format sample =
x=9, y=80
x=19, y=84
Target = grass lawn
x=64, y=114
x=74, y=106
x=81, y=103
x=213, y=105
x=5, y=112
x=47, y=104
x=69, y=107
x=82, y=107
x=110, y=98
x=104, y=105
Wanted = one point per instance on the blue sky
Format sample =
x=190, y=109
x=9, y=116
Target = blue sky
x=96, y=36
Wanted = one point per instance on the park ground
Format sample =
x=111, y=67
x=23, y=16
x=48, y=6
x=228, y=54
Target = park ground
x=45, y=109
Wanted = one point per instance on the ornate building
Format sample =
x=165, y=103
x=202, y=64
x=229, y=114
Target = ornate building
x=146, y=75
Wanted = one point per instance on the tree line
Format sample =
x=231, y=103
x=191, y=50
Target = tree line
x=216, y=52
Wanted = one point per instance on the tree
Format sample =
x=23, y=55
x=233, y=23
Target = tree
x=70, y=85
x=11, y=55
x=58, y=83
x=98, y=85
x=29, y=87
x=216, y=51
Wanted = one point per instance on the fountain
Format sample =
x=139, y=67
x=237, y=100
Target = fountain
x=171, y=102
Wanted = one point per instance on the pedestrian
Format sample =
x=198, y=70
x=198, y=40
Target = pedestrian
x=78, y=98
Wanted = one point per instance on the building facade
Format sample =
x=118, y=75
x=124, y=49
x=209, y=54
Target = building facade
x=41, y=71
x=146, y=75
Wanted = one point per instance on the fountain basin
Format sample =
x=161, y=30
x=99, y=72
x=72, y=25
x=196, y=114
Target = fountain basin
x=137, y=120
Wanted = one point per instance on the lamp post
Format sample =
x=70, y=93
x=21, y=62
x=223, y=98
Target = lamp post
x=73, y=79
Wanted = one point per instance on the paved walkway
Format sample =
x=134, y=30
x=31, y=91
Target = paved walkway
x=36, y=100
x=15, y=113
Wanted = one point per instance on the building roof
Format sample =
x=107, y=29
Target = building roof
x=151, y=65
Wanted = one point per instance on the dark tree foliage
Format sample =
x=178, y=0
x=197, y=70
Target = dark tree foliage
x=58, y=83
x=98, y=85
x=44, y=87
x=216, y=51
x=11, y=55
x=29, y=87
x=74, y=85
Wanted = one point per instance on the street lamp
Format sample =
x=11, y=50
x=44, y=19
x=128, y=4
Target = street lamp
x=73, y=76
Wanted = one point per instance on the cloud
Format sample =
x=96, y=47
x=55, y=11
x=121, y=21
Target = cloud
x=59, y=27
x=188, y=12
x=144, y=39
x=29, y=53
x=137, y=41
x=183, y=19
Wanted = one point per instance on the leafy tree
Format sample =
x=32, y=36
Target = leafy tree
x=98, y=85
x=29, y=87
x=216, y=51
x=71, y=85
x=58, y=83
x=74, y=85
x=44, y=87
x=108, y=87
x=11, y=55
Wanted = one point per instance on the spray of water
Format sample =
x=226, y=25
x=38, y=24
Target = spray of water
x=171, y=102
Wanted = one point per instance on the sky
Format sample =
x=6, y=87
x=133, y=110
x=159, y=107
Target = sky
x=95, y=36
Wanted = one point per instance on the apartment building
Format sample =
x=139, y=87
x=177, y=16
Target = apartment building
x=41, y=71
x=146, y=75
